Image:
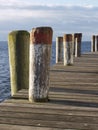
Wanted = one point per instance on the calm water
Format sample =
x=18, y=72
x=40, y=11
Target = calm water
x=4, y=67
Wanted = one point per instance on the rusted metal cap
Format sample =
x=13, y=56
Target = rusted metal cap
x=68, y=37
x=41, y=35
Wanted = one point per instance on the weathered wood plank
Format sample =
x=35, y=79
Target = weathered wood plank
x=73, y=101
x=21, y=127
x=53, y=124
x=64, y=112
x=49, y=117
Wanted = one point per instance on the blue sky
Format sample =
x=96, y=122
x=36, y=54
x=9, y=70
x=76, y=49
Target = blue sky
x=64, y=16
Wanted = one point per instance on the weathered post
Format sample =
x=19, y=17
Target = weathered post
x=59, y=49
x=18, y=43
x=78, y=38
x=76, y=47
x=73, y=42
x=40, y=53
x=93, y=44
x=68, y=49
x=96, y=43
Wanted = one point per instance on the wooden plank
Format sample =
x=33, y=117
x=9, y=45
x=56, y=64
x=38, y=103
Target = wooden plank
x=53, y=124
x=53, y=105
x=55, y=111
x=21, y=127
x=73, y=101
x=49, y=117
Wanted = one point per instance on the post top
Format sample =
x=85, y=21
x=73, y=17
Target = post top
x=93, y=36
x=16, y=32
x=41, y=35
x=59, y=37
x=77, y=34
x=68, y=37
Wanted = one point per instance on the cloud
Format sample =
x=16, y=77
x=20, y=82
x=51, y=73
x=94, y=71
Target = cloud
x=62, y=18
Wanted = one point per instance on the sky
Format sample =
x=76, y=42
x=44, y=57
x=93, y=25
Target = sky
x=64, y=16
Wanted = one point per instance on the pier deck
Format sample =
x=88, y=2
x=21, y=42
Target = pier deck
x=73, y=101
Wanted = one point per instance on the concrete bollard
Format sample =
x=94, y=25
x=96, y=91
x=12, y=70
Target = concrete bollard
x=68, y=49
x=78, y=38
x=40, y=53
x=96, y=43
x=18, y=43
x=93, y=44
x=59, y=49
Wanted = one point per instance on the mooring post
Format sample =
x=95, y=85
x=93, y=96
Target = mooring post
x=93, y=44
x=18, y=43
x=96, y=43
x=40, y=53
x=73, y=42
x=76, y=47
x=59, y=49
x=78, y=38
x=68, y=49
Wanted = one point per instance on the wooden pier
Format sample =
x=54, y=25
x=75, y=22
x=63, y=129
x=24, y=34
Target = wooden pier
x=73, y=101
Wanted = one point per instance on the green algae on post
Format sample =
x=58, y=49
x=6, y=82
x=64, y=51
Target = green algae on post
x=18, y=44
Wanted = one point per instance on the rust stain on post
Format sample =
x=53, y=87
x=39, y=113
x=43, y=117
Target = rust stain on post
x=40, y=53
x=41, y=35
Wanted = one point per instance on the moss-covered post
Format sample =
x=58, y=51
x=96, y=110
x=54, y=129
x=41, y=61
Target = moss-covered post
x=78, y=39
x=68, y=49
x=40, y=54
x=18, y=43
x=59, y=49
x=96, y=43
x=93, y=44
